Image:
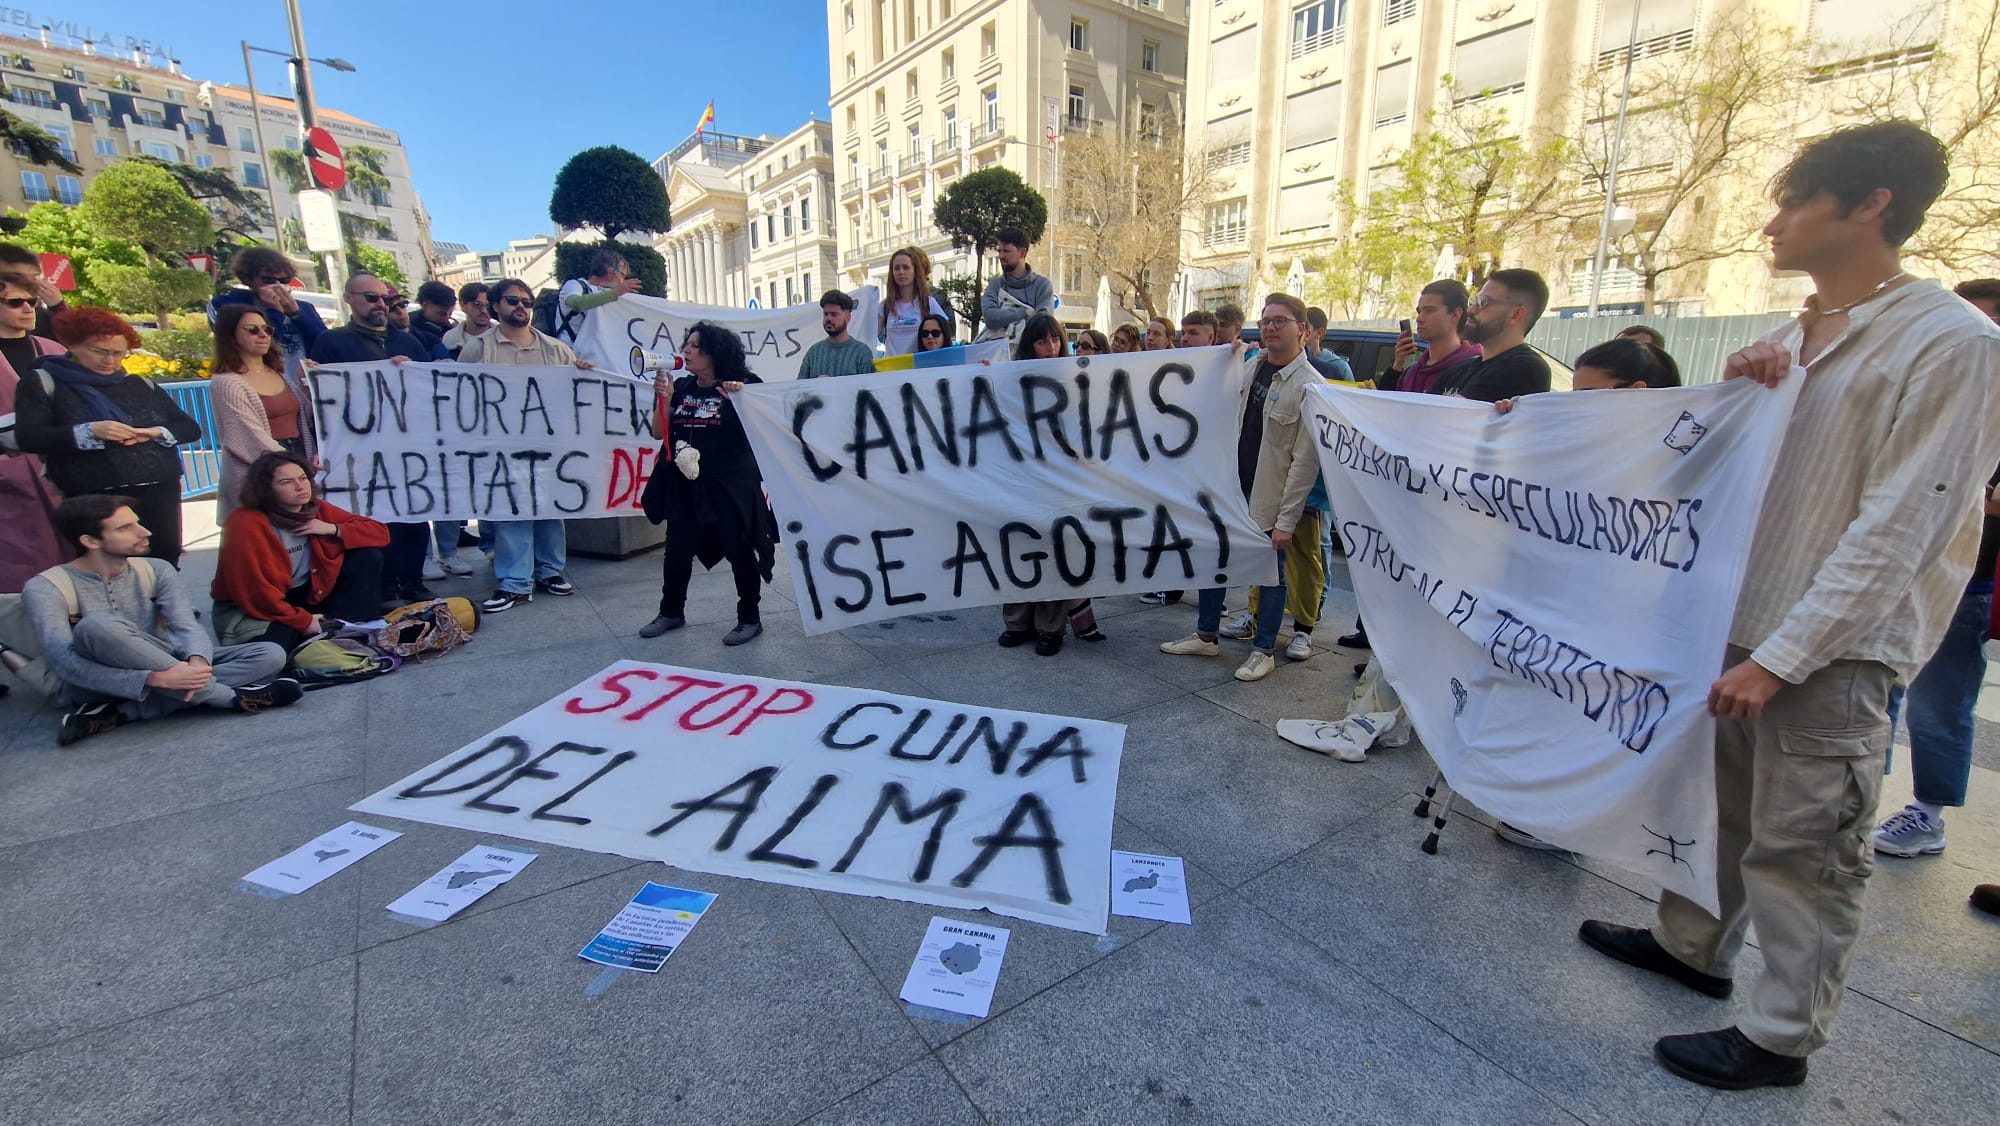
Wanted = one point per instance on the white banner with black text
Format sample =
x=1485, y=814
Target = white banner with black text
x=1550, y=593
x=618, y=335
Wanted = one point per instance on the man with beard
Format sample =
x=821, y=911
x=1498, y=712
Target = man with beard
x=1499, y=320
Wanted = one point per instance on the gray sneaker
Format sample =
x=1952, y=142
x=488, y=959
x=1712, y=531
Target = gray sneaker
x=1911, y=833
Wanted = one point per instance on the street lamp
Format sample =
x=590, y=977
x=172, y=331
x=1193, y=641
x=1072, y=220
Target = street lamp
x=1612, y=212
x=303, y=101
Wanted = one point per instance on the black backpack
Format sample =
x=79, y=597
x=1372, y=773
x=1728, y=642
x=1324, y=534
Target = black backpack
x=546, y=308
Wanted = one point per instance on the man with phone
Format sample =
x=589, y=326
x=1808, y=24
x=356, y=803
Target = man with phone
x=1430, y=346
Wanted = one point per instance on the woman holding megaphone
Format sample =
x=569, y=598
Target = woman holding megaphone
x=705, y=485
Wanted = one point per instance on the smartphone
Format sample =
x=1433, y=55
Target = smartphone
x=1403, y=326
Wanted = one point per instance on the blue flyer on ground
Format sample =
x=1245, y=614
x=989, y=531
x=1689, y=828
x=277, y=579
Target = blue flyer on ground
x=644, y=934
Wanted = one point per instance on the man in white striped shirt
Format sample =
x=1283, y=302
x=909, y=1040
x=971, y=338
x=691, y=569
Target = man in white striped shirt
x=1868, y=534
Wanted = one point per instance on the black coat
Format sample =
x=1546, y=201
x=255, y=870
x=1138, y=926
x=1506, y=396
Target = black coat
x=725, y=504
x=48, y=428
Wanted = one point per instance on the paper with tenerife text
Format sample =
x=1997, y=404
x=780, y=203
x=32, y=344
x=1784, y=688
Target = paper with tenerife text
x=1550, y=593
x=461, y=883
x=956, y=967
x=813, y=785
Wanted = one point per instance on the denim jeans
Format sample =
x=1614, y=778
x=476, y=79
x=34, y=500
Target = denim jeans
x=1270, y=611
x=446, y=533
x=513, y=543
x=1940, y=702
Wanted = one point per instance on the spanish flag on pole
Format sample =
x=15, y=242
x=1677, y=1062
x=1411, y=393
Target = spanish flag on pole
x=707, y=118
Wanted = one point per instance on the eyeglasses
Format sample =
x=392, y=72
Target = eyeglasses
x=256, y=330
x=371, y=298
x=273, y=279
x=19, y=302
x=521, y=302
x=926, y=333
x=399, y=302
x=1274, y=322
x=104, y=353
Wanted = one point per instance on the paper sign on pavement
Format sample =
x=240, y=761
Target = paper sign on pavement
x=459, y=884
x=1149, y=887
x=956, y=967
x=308, y=864
x=647, y=931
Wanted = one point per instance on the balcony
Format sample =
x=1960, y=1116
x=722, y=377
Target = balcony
x=911, y=164
x=851, y=188
x=28, y=96
x=946, y=153
x=1226, y=234
x=1082, y=126
x=988, y=132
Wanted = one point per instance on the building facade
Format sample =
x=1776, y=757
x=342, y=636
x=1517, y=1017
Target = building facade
x=925, y=91
x=750, y=217
x=103, y=108
x=1294, y=102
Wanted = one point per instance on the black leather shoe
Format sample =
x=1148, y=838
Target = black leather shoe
x=1728, y=1060
x=1049, y=644
x=1014, y=637
x=1636, y=946
x=1356, y=640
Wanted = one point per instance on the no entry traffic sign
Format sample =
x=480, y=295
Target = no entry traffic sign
x=323, y=158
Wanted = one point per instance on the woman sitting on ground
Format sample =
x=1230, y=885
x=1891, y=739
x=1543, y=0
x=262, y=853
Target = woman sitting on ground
x=259, y=406
x=290, y=561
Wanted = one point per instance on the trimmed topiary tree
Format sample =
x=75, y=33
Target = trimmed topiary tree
x=611, y=189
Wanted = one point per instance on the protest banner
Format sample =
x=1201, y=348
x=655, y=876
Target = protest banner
x=774, y=340
x=1550, y=593
x=1028, y=480
x=838, y=789
x=450, y=441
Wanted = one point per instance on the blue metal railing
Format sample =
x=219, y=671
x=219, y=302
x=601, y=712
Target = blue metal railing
x=201, y=462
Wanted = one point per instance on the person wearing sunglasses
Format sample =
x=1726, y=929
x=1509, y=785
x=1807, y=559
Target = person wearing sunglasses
x=932, y=334
x=528, y=555
x=1498, y=320
x=368, y=337
x=266, y=276
x=99, y=430
x=26, y=501
x=259, y=407
x=1091, y=342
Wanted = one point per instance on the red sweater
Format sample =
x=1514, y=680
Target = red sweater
x=255, y=574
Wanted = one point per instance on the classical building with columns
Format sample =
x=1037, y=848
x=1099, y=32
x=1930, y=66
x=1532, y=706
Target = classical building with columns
x=750, y=217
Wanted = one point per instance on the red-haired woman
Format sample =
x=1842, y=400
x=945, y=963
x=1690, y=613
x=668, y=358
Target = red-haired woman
x=259, y=407
x=103, y=431
x=30, y=544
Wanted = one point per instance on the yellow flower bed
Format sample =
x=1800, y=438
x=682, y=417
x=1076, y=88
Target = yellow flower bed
x=149, y=365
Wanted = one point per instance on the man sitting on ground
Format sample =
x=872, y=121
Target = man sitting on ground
x=117, y=631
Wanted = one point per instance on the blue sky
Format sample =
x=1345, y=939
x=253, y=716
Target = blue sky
x=553, y=76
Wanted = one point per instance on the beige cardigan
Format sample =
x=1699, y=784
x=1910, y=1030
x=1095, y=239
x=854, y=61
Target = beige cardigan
x=243, y=430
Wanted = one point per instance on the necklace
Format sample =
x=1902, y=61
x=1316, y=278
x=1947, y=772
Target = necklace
x=1813, y=310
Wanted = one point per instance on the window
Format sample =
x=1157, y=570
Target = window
x=916, y=143
x=806, y=215
x=1319, y=24
x=204, y=161
x=1149, y=56
x=253, y=175
x=788, y=222
x=989, y=42
x=1882, y=32
x=1232, y=59
x=292, y=143
x=791, y=295
x=853, y=121
x=1664, y=25
x=949, y=61
x=69, y=190
x=1305, y=207
x=847, y=16
x=806, y=283
x=990, y=98
x=100, y=110
x=1313, y=116
x=854, y=168
x=159, y=149
x=951, y=128
x=1227, y=223
x=35, y=186
x=850, y=64
x=1229, y=156
x=106, y=146
x=910, y=86
x=1078, y=104
x=1492, y=66
x=1149, y=121
x=881, y=104
x=245, y=139
x=753, y=232
x=771, y=228
x=1392, y=95
x=1396, y=11
x=378, y=197
x=1079, y=35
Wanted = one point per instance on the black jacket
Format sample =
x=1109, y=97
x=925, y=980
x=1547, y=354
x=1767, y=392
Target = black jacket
x=48, y=428
x=350, y=345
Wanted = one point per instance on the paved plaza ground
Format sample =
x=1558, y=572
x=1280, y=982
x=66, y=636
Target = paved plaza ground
x=1334, y=972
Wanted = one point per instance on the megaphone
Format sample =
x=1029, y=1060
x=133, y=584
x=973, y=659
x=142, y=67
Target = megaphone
x=644, y=361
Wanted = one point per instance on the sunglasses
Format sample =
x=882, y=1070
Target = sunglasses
x=19, y=302
x=257, y=330
x=372, y=298
x=930, y=332
x=399, y=302
x=274, y=279
x=518, y=302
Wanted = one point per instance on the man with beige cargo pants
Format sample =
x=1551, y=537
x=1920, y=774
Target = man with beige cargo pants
x=1869, y=532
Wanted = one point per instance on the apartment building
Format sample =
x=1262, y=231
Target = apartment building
x=104, y=107
x=1294, y=100
x=925, y=91
x=752, y=217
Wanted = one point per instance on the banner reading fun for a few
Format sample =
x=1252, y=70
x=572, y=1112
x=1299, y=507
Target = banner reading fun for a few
x=1550, y=592
x=1025, y=481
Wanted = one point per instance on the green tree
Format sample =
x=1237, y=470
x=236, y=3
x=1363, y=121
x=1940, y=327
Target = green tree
x=51, y=228
x=611, y=189
x=144, y=205
x=33, y=143
x=238, y=212
x=156, y=289
x=979, y=206
x=1124, y=199
x=291, y=165
x=365, y=259
x=364, y=171
x=960, y=293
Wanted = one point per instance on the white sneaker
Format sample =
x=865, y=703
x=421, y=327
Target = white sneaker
x=455, y=567
x=1301, y=646
x=432, y=572
x=1256, y=666
x=1193, y=645
x=1244, y=624
x=1911, y=833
